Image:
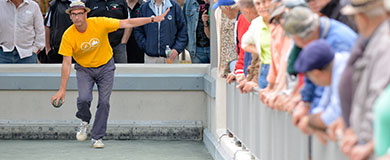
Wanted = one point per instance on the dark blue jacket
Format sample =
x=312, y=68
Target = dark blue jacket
x=172, y=31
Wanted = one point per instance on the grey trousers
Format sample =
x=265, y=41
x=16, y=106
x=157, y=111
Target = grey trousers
x=103, y=76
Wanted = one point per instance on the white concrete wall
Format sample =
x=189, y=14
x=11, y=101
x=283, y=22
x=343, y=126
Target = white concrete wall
x=217, y=107
x=125, y=105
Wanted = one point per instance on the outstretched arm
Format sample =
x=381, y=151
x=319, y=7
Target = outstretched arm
x=135, y=22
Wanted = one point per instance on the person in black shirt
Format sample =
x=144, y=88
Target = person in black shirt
x=134, y=53
x=113, y=9
x=56, y=23
x=202, y=40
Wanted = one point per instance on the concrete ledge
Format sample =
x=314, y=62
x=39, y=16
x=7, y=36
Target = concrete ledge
x=215, y=149
x=116, y=130
x=155, y=94
x=122, y=82
x=120, y=68
x=136, y=77
x=209, y=86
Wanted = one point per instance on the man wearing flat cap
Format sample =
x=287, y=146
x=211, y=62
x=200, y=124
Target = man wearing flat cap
x=87, y=42
x=324, y=68
x=365, y=77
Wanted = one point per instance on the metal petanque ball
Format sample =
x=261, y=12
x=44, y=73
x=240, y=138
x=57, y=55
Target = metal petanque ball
x=59, y=103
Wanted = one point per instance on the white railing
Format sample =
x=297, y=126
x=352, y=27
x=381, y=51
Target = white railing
x=269, y=134
x=330, y=151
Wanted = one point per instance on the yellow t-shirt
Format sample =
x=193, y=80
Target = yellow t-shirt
x=91, y=48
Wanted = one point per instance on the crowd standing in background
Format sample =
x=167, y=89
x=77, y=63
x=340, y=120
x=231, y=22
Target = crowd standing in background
x=325, y=66
x=129, y=45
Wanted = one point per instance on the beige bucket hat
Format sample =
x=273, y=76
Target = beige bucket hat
x=77, y=5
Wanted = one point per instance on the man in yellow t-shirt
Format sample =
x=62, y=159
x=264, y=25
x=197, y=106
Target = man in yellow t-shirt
x=87, y=42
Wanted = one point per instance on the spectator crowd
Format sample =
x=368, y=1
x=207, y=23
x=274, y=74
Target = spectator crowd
x=323, y=61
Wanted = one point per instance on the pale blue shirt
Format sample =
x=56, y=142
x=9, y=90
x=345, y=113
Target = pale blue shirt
x=329, y=104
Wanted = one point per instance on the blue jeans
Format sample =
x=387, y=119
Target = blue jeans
x=232, y=65
x=120, y=53
x=202, y=55
x=103, y=76
x=264, y=68
x=13, y=57
x=247, y=62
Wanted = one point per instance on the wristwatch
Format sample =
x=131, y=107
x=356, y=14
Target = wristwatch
x=152, y=18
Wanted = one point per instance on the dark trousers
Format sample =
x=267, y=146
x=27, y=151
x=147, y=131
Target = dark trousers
x=103, y=76
x=120, y=53
x=54, y=57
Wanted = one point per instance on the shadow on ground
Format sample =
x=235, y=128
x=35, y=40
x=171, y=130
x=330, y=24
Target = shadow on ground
x=114, y=150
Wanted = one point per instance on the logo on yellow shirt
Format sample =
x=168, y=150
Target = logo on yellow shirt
x=93, y=43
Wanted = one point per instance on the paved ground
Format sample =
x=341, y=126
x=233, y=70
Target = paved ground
x=114, y=150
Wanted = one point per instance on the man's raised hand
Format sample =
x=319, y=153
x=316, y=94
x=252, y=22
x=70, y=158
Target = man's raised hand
x=161, y=17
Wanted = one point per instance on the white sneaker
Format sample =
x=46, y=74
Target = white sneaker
x=82, y=132
x=97, y=143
